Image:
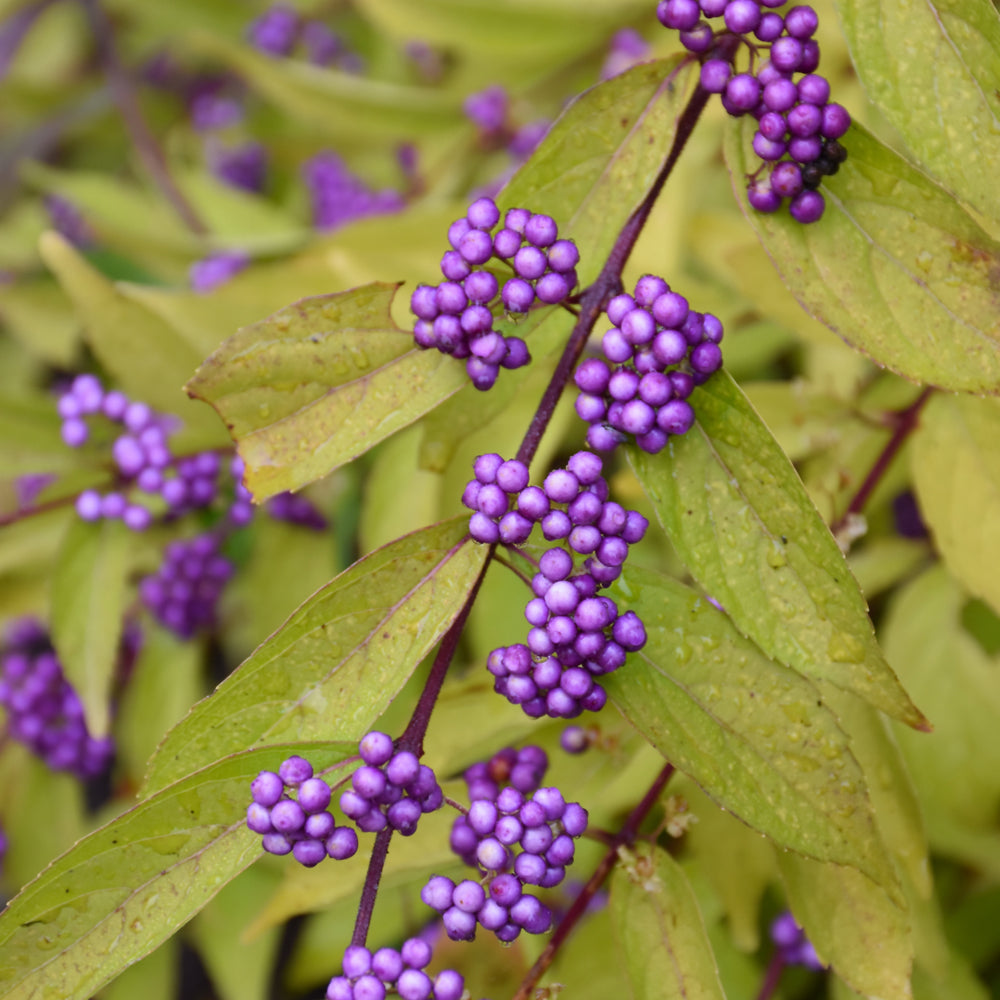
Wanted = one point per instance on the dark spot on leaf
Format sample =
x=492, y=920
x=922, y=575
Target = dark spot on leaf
x=784, y=539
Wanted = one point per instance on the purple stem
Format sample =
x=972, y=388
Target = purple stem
x=609, y=281
x=413, y=740
x=904, y=423
x=772, y=977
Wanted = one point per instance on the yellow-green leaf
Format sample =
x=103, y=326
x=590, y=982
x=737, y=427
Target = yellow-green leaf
x=599, y=159
x=340, y=659
x=149, y=359
x=933, y=69
x=127, y=887
x=754, y=734
x=319, y=383
x=960, y=684
x=341, y=104
x=956, y=472
x=740, y=519
x=853, y=924
x=519, y=28
x=894, y=267
x=659, y=930
x=88, y=601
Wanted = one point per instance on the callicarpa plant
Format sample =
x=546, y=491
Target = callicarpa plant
x=499, y=501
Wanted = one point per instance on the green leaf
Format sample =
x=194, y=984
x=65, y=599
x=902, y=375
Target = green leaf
x=890, y=786
x=737, y=861
x=119, y=211
x=853, y=924
x=239, y=218
x=754, y=734
x=519, y=29
x=319, y=383
x=127, y=887
x=346, y=105
x=340, y=659
x=240, y=969
x=164, y=684
x=30, y=439
x=895, y=267
x=740, y=519
x=88, y=602
x=147, y=357
x=956, y=472
x=41, y=318
x=43, y=813
x=948, y=670
x=659, y=930
x=933, y=70
x=153, y=978
x=599, y=159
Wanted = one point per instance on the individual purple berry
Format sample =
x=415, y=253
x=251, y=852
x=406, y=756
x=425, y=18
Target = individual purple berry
x=762, y=197
x=563, y=256
x=741, y=16
x=681, y=15
x=342, y=843
x=483, y=213
x=807, y=207
x=801, y=22
x=715, y=74
x=836, y=121
x=517, y=295
x=814, y=89
x=770, y=27
x=698, y=39
x=267, y=788
x=541, y=231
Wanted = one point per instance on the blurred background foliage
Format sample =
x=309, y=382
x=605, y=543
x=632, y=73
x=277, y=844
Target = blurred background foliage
x=390, y=103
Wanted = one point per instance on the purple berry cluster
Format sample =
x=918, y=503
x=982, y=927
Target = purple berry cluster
x=576, y=635
x=456, y=316
x=141, y=454
x=370, y=976
x=242, y=166
x=656, y=353
x=280, y=30
x=391, y=788
x=798, y=127
x=44, y=712
x=337, y=196
x=211, y=272
x=183, y=594
x=518, y=834
x=793, y=945
x=300, y=826
x=489, y=111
